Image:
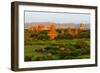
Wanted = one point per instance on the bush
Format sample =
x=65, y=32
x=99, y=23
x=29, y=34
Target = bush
x=28, y=58
x=54, y=48
x=27, y=40
x=39, y=49
x=80, y=43
x=84, y=34
x=38, y=58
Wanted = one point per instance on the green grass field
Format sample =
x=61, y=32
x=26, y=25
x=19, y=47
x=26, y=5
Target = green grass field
x=58, y=49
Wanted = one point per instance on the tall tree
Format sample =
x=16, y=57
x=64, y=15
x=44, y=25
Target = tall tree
x=52, y=33
x=70, y=30
x=82, y=27
x=62, y=29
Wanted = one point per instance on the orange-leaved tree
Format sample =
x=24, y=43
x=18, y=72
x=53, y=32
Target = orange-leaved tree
x=82, y=27
x=52, y=32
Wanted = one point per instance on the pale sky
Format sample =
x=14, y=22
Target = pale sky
x=76, y=18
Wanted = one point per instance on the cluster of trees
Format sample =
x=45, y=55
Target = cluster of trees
x=70, y=31
x=53, y=33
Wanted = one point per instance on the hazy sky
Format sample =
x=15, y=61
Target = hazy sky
x=31, y=17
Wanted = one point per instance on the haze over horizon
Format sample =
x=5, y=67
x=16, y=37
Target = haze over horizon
x=37, y=17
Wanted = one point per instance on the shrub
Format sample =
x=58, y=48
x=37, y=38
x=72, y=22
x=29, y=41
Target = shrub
x=28, y=58
x=84, y=34
x=80, y=43
x=27, y=40
x=38, y=58
x=39, y=49
x=51, y=48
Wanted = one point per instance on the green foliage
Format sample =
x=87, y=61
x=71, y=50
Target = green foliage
x=28, y=58
x=38, y=58
x=84, y=34
x=27, y=38
x=39, y=47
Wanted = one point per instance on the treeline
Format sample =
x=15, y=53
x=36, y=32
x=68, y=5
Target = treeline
x=43, y=35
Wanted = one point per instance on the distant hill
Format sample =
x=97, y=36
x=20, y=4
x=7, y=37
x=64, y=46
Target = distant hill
x=58, y=25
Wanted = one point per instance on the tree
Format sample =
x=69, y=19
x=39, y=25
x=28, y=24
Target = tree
x=62, y=29
x=82, y=27
x=76, y=32
x=70, y=30
x=52, y=33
